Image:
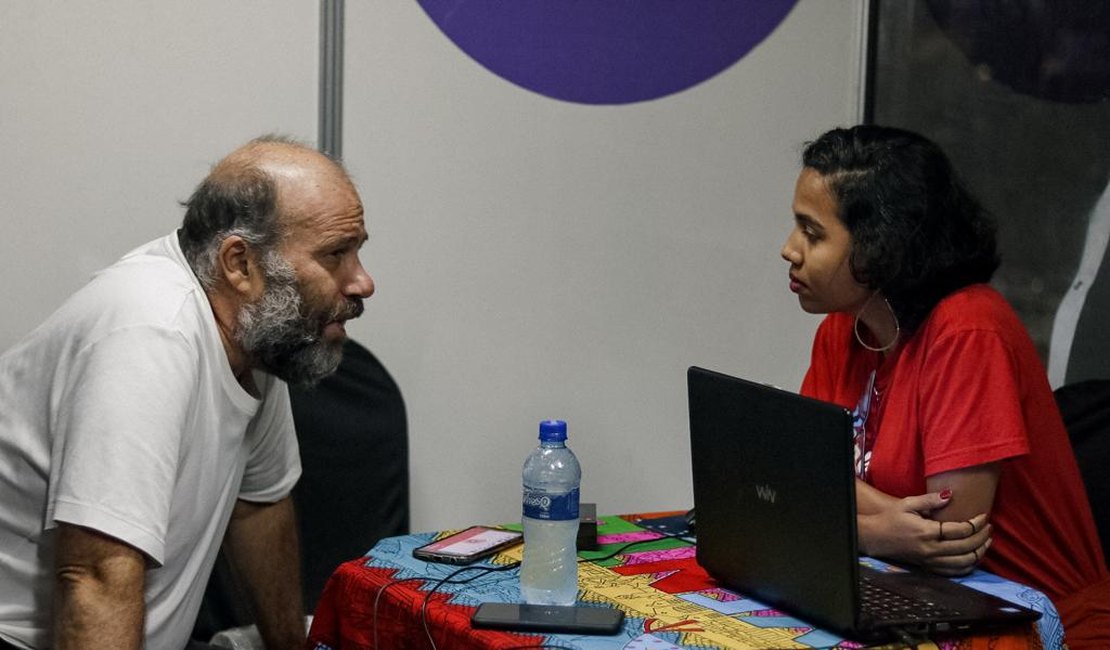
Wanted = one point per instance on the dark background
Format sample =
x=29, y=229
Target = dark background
x=1018, y=94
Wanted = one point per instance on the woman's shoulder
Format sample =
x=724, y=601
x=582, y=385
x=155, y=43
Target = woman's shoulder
x=837, y=321
x=974, y=307
x=835, y=326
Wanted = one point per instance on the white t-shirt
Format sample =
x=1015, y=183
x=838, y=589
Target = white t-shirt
x=120, y=413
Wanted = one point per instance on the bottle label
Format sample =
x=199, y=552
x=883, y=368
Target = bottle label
x=540, y=504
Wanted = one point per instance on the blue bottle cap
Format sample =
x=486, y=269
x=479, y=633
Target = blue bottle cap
x=553, y=430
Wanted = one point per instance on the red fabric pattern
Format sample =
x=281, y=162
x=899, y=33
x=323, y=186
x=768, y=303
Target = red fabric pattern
x=679, y=576
x=345, y=618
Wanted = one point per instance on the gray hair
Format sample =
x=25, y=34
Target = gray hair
x=237, y=198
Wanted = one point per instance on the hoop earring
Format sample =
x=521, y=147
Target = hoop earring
x=897, y=327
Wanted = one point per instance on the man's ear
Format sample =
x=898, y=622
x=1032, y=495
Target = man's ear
x=237, y=263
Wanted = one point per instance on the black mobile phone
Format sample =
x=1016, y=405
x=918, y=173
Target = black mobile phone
x=548, y=618
x=468, y=545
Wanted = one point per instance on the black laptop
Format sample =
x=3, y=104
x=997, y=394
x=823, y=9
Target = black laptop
x=776, y=518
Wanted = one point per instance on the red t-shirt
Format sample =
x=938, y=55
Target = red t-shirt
x=966, y=389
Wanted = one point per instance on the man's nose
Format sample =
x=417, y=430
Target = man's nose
x=361, y=285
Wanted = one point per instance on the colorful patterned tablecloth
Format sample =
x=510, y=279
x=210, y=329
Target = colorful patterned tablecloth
x=390, y=600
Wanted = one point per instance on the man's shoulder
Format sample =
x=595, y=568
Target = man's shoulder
x=125, y=298
x=161, y=258
x=145, y=288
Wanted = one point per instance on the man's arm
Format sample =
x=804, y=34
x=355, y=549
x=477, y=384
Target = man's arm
x=264, y=551
x=98, y=591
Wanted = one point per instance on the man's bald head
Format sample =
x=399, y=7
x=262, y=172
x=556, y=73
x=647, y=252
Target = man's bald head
x=250, y=193
x=283, y=159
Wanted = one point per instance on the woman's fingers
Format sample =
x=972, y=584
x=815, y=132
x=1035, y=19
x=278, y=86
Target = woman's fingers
x=902, y=533
x=952, y=530
x=924, y=503
x=961, y=552
x=958, y=564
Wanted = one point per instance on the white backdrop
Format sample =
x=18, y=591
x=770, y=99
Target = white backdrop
x=534, y=258
x=541, y=259
x=111, y=112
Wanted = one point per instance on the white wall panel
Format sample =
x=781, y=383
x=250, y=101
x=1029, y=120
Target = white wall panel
x=537, y=258
x=534, y=258
x=111, y=111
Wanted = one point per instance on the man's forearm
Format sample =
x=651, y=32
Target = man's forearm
x=264, y=551
x=98, y=592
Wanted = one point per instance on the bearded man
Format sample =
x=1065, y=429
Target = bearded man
x=149, y=414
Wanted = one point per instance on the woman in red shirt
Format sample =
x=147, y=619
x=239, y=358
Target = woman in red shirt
x=961, y=455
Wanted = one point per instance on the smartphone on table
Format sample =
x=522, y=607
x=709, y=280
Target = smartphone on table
x=467, y=546
x=548, y=618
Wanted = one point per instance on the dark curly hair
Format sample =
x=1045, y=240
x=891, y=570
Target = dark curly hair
x=917, y=234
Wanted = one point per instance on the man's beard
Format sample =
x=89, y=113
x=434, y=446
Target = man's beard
x=282, y=335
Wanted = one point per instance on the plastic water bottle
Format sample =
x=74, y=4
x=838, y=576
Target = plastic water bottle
x=549, y=572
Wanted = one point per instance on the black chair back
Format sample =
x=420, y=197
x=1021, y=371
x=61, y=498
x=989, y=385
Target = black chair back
x=1085, y=407
x=352, y=429
x=353, y=434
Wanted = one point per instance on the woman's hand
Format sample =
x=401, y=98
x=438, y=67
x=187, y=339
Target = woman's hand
x=901, y=530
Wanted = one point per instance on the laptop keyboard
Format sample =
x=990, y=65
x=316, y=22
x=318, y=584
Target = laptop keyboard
x=883, y=604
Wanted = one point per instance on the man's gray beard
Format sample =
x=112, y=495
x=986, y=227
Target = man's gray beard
x=278, y=337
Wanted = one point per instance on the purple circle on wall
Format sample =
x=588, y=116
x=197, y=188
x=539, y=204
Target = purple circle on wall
x=606, y=51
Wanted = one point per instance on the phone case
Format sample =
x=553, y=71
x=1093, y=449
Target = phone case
x=429, y=553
